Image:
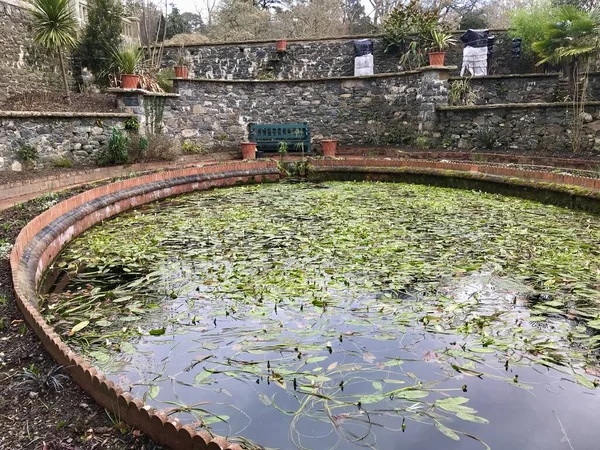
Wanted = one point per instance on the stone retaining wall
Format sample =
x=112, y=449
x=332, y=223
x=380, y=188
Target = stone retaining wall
x=78, y=136
x=545, y=127
x=23, y=67
x=365, y=110
x=494, y=89
x=322, y=58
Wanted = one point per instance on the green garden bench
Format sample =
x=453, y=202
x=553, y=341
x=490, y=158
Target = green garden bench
x=268, y=136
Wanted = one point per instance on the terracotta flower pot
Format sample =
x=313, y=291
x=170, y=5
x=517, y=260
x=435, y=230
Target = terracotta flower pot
x=281, y=45
x=129, y=81
x=248, y=150
x=182, y=72
x=437, y=58
x=329, y=146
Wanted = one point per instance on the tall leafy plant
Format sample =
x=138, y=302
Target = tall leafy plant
x=407, y=22
x=55, y=29
x=571, y=39
x=101, y=35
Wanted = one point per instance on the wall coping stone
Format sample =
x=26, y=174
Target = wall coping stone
x=512, y=75
x=141, y=92
x=313, y=80
x=512, y=106
x=297, y=40
x=63, y=114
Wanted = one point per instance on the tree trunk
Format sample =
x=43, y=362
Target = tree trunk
x=65, y=79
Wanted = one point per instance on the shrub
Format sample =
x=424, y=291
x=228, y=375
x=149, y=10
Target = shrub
x=191, y=148
x=487, y=138
x=138, y=147
x=406, y=21
x=116, y=151
x=162, y=148
x=27, y=153
x=132, y=125
x=62, y=162
x=422, y=142
x=529, y=24
x=461, y=93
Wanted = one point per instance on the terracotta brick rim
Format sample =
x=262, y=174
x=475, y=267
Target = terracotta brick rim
x=42, y=239
x=497, y=174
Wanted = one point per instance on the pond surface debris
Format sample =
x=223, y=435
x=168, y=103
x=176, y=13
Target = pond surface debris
x=345, y=315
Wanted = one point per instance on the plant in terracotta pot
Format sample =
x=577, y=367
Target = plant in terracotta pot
x=329, y=147
x=440, y=42
x=248, y=150
x=181, y=68
x=281, y=45
x=127, y=61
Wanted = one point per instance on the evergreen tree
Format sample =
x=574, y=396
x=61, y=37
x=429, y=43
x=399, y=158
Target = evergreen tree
x=355, y=17
x=102, y=34
x=176, y=24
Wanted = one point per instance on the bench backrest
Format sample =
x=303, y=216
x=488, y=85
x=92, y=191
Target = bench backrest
x=268, y=136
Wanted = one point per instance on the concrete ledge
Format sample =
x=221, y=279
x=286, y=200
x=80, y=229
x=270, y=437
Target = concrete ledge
x=509, y=76
x=68, y=115
x=512, y=106
x=319, y=80
x=40, y=241
x=141, y=92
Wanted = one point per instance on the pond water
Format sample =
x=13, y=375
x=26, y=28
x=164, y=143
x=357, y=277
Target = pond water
x=346, y=315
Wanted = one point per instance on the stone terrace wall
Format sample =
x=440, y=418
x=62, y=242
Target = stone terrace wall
x=373, y=110
x=22, y=67
x=312, y=59
x=78, y=136
x=530, y=88
x=545, y=127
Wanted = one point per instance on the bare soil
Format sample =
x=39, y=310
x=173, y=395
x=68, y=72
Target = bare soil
x=55, y=102
x=34, y=416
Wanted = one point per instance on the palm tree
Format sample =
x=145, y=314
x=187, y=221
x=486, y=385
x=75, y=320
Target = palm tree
x=55, y=29
x=570, y=38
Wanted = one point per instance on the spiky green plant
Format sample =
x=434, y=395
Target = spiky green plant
x=127, y=60
x=55, y=29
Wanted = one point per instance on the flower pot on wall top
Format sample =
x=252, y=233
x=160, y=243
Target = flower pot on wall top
x=129, y=81
x=248, y=150
x=182, y=72
x=329, y=147
x=281, y=45
x=437, y=58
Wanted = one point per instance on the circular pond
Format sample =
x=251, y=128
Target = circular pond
x=345, y=315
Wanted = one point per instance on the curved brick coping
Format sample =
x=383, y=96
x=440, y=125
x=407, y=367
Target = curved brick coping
x=61, y=114
x=512, y=106
x=42, y=239
x=318, y=80
x=577, y=185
